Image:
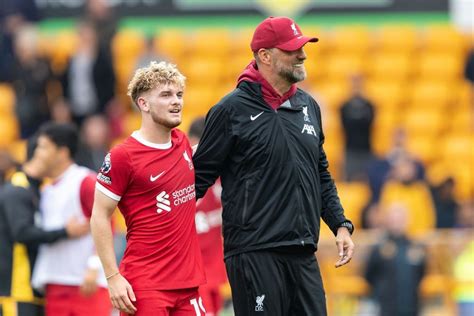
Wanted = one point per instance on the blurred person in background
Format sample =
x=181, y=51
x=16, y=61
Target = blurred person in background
x=404, y=186
x=32, y=74
x=68, y=271
x=265, y=141
x=357, y=117
x=464, y=280
x=209, y=229
x=149, y=54
x=94, y=142
x=61, y=112
x=396, y=266
x=13, y=15
x=445, y=203
x=89, y=79
x=7, y=165
x=104, y=22
x=20, y=237
x=465, y=218
x=150, y=177
x=379, y=169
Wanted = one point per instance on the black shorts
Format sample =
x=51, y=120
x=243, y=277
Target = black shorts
x=276, y=283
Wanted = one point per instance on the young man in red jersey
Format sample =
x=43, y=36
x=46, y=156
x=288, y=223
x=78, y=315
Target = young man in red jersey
x=150, y=177
x=209, y=229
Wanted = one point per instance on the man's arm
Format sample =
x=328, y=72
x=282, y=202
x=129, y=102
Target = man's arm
x=121, y=292
x=214, y=146
x=332, y=211
x=20, y=213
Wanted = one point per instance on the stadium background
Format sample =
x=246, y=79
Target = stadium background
x=411, y=53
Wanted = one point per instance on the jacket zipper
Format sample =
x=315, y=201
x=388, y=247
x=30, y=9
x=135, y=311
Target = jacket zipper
x=300, y=216
x=246, y=196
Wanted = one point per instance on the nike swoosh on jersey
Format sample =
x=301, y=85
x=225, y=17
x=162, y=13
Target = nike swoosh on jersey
x=253, y=118
x=154, y=178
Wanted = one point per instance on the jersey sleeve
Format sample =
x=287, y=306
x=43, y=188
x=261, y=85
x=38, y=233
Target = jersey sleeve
x=86, y=193
x=114, y=174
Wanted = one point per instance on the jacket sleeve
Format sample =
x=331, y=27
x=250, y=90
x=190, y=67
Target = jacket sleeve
x=20, y=212
x=213, y=149
x=332, y=211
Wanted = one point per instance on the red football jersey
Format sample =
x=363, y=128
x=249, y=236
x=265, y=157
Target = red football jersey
x=209, y=229
x=154, y=187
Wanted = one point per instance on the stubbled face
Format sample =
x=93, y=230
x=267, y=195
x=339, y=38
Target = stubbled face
x=165, y=104
x=289, y=65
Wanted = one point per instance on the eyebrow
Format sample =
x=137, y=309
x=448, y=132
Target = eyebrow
x=170, y=91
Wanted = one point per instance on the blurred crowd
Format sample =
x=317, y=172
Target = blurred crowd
x=403, y=203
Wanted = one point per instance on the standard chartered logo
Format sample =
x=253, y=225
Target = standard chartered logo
x=179, y=197
x=184, y=195
x=163, y=202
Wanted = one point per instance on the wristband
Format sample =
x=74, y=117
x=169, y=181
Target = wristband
x=112, y=275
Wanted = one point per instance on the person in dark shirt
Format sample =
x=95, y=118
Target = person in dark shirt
x=396, y=267
x=20, y=238
x=357, y=116
x=445, y=204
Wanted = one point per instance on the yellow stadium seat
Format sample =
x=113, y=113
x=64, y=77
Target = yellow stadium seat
x=426, y=94
x=424, y=121
x=132, y=123
x=354, y=197
x=173, y=44
x=208, y=69
x=459, y=145
x=397, y=39
x=424, y=147
x=63, y=46
x=465, y=95
x=345, y=65
x=332, y=93
x=462, y=121
x=443, y=66
x=198, y=100
x=211, y=42
x=235, y=68
x=416, y=197
x=240, y=44
x=383, y=134
x=10, y=130
x=443, y=38
x=7, y=99
x=128, y=44
x=459, y=168
x=385, y=92
x=391, y=67
x=356, y=40
x=18, y=150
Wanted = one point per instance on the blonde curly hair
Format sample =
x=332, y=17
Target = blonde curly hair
x=148, y=78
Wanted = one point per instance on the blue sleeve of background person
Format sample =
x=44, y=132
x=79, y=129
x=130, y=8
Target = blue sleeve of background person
x=20, y=211
x=332, y=212
x=213, y=149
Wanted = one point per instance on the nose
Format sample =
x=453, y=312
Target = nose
x=176, y=99
x=301, y=54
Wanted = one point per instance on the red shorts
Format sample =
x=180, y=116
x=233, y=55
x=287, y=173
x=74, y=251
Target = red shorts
x=212, y=298
x=67, y=300
x=185, y=302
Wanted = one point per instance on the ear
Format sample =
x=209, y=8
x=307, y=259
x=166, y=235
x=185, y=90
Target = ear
x=143, y=104
x=265, y=56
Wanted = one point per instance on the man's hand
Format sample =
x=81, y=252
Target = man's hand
x=77, y=228
x=89, y=284
x=345, y=246
x=121, y=294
